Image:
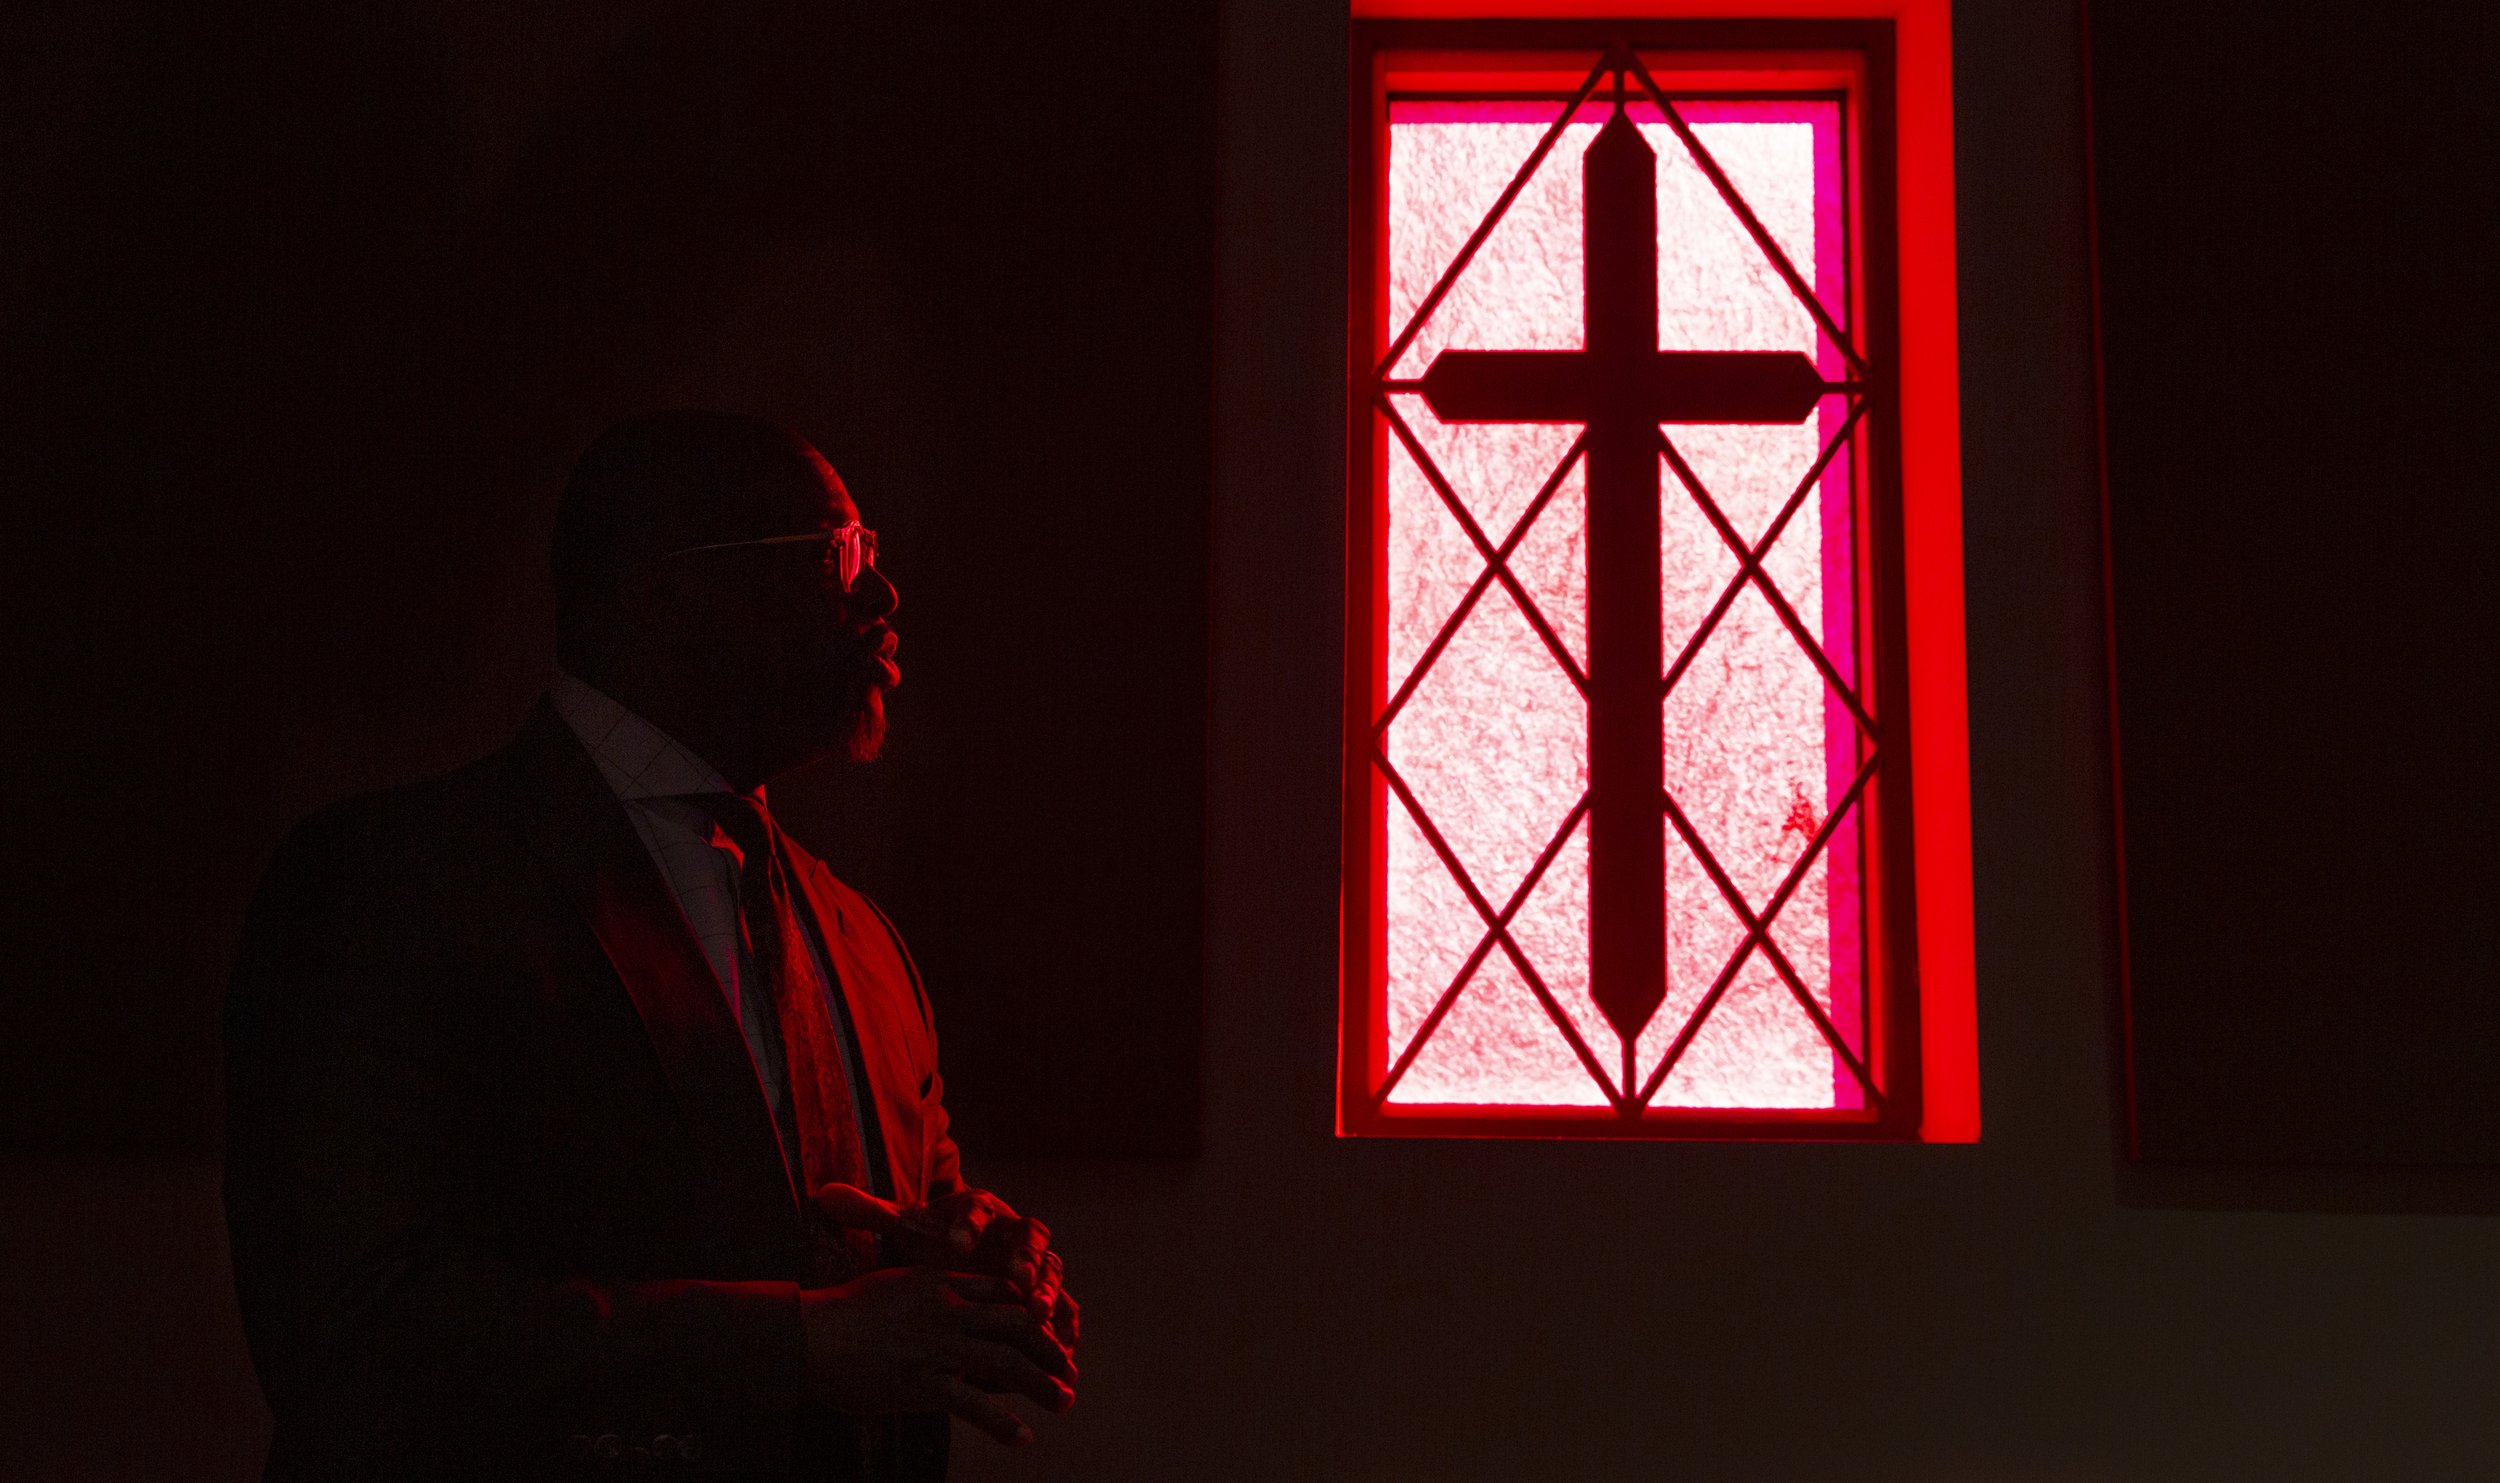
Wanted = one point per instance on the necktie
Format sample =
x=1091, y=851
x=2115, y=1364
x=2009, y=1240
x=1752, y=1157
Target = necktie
x=831, y=1147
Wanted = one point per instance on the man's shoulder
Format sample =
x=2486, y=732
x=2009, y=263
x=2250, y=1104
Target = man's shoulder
x=440, y=858
x=410, y=825
x=382, y=888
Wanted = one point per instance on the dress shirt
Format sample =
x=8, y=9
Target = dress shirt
x=652, y=774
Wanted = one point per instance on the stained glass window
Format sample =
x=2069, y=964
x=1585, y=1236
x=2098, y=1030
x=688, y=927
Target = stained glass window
x=1627, y=811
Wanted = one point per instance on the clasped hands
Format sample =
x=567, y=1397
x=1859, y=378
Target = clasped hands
x=976, y=1310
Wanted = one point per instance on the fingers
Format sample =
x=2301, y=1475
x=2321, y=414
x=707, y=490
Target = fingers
x=1018, y=1247
x=1063, y=1321
x=1020, y=1329
x=1043, y=1300
x=957, y=1221
x=1045, y=1289
x=976, y=1287
x=995, y=1420
x=1001, y=1370
x=849, y=1205
x=944, y=1231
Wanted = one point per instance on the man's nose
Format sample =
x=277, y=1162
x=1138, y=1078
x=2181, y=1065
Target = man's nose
x=873, y=596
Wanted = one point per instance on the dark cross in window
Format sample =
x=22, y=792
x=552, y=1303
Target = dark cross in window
x=1622, y=387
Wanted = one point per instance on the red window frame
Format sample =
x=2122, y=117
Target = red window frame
x=1892, y=56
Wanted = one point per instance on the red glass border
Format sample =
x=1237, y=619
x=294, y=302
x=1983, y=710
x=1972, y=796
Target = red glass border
x=1918, y=891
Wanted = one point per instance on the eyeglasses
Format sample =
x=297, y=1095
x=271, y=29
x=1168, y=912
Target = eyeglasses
x=849, y=550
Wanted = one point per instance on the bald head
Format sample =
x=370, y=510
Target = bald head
x=664, y=481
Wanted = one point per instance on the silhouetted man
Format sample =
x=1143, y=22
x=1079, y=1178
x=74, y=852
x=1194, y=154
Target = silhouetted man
x=578, y=1121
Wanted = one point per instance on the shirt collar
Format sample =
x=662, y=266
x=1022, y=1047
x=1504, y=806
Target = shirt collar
x=639, y=760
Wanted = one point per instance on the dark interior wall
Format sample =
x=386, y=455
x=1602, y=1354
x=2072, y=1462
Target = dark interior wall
x=309, y=308
x=1289, y=1305
x=2299, y=210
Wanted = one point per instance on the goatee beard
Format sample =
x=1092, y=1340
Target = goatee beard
x=864, y=738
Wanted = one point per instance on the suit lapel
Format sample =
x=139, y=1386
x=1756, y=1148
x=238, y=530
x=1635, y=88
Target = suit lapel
x=883, y=1050
x=597, y=862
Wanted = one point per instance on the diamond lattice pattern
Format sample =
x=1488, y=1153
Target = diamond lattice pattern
x=1484, y=731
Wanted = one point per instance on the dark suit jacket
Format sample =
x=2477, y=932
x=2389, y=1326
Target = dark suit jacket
x=505, y=1197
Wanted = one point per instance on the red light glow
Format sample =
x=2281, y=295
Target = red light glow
x=1654, y=600
x=1493, y=741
